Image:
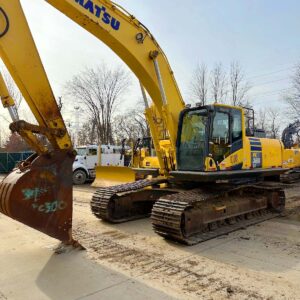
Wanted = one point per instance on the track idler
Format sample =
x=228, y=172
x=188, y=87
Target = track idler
x=38, y=193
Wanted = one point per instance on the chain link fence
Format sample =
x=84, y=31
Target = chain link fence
x=9, y=160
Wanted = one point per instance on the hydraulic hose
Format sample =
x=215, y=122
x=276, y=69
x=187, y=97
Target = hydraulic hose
x=7, y=23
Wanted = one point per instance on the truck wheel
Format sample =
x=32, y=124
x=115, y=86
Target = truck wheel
x=79, y=177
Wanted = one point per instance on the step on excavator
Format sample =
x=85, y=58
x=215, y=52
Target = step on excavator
x=209, y=175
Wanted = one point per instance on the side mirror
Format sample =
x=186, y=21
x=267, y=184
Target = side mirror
x=85, y=157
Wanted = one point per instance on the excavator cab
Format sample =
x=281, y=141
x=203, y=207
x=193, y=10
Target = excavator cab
x=208, y=134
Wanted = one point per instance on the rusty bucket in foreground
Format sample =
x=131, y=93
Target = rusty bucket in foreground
x=39, y=194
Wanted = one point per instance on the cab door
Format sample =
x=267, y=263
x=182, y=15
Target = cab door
x=226, y=134
x=192, y=140
x=91, y=158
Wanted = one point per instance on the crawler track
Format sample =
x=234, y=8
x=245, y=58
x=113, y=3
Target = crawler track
x=198, y=215
x=291, y=176
x=127, y=202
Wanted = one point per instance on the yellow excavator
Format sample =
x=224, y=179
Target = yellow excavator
x=208, y=178
x=144, y=161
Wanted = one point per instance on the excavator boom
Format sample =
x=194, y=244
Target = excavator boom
x=137, y=47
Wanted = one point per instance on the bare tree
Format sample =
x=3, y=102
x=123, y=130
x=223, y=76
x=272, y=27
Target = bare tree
x=218, y=83
x=87, y=134
x=269, y=119
x=100, y=91
x=238, y=86
x=273, y=119
x=15, y=143
x=199, y=84
x=261, y=119
x=131, y=125
x=292, y=99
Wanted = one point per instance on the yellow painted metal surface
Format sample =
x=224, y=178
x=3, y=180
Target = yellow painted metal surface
x=150, y=162
x=113, y=175
x=29, y=137
x=19, y=54
x=256, y=152
x=6, y=98
x=234, y=160
x=133, y=43
x=271, y=153
x=291, y=158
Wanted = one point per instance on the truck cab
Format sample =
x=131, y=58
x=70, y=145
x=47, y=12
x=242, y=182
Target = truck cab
x=88, y=157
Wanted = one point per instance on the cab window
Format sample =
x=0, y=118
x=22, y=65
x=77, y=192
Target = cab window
x=236, y=126
x=221, y=128
x=81, y=151
x=92, y=152
x=220, y=139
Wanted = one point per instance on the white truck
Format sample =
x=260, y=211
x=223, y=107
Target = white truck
x=88, y=158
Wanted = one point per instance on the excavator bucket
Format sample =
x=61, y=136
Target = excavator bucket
x=39, y=194
x=113, y=175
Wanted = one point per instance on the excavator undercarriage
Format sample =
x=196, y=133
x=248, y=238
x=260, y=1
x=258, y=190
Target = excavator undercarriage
x=126, y=202
x=197, y=215
x=187, y=214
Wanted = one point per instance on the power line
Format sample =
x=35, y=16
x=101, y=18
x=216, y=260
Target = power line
x=270, y=82
x=247, y=79
x=272, y=92
x=271, y=73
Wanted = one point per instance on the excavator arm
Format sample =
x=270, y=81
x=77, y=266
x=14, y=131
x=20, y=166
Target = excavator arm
x=39, y=192
x=19, y=54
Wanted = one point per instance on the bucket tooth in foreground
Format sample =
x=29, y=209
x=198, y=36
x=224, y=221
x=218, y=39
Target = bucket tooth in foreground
x=198, y=215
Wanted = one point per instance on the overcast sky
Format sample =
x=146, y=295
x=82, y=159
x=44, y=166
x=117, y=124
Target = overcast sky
x=263, y=35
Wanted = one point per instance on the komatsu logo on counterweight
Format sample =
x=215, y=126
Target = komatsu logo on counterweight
x=99, y=12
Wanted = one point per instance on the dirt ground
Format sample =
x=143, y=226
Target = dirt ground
x=260, y=262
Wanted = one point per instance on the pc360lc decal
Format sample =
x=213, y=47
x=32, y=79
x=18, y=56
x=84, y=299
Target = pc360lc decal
x=100, y=13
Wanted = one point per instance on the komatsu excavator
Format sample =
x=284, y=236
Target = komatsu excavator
x=206, y=144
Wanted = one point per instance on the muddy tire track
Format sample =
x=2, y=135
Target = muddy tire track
x=194, y=277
